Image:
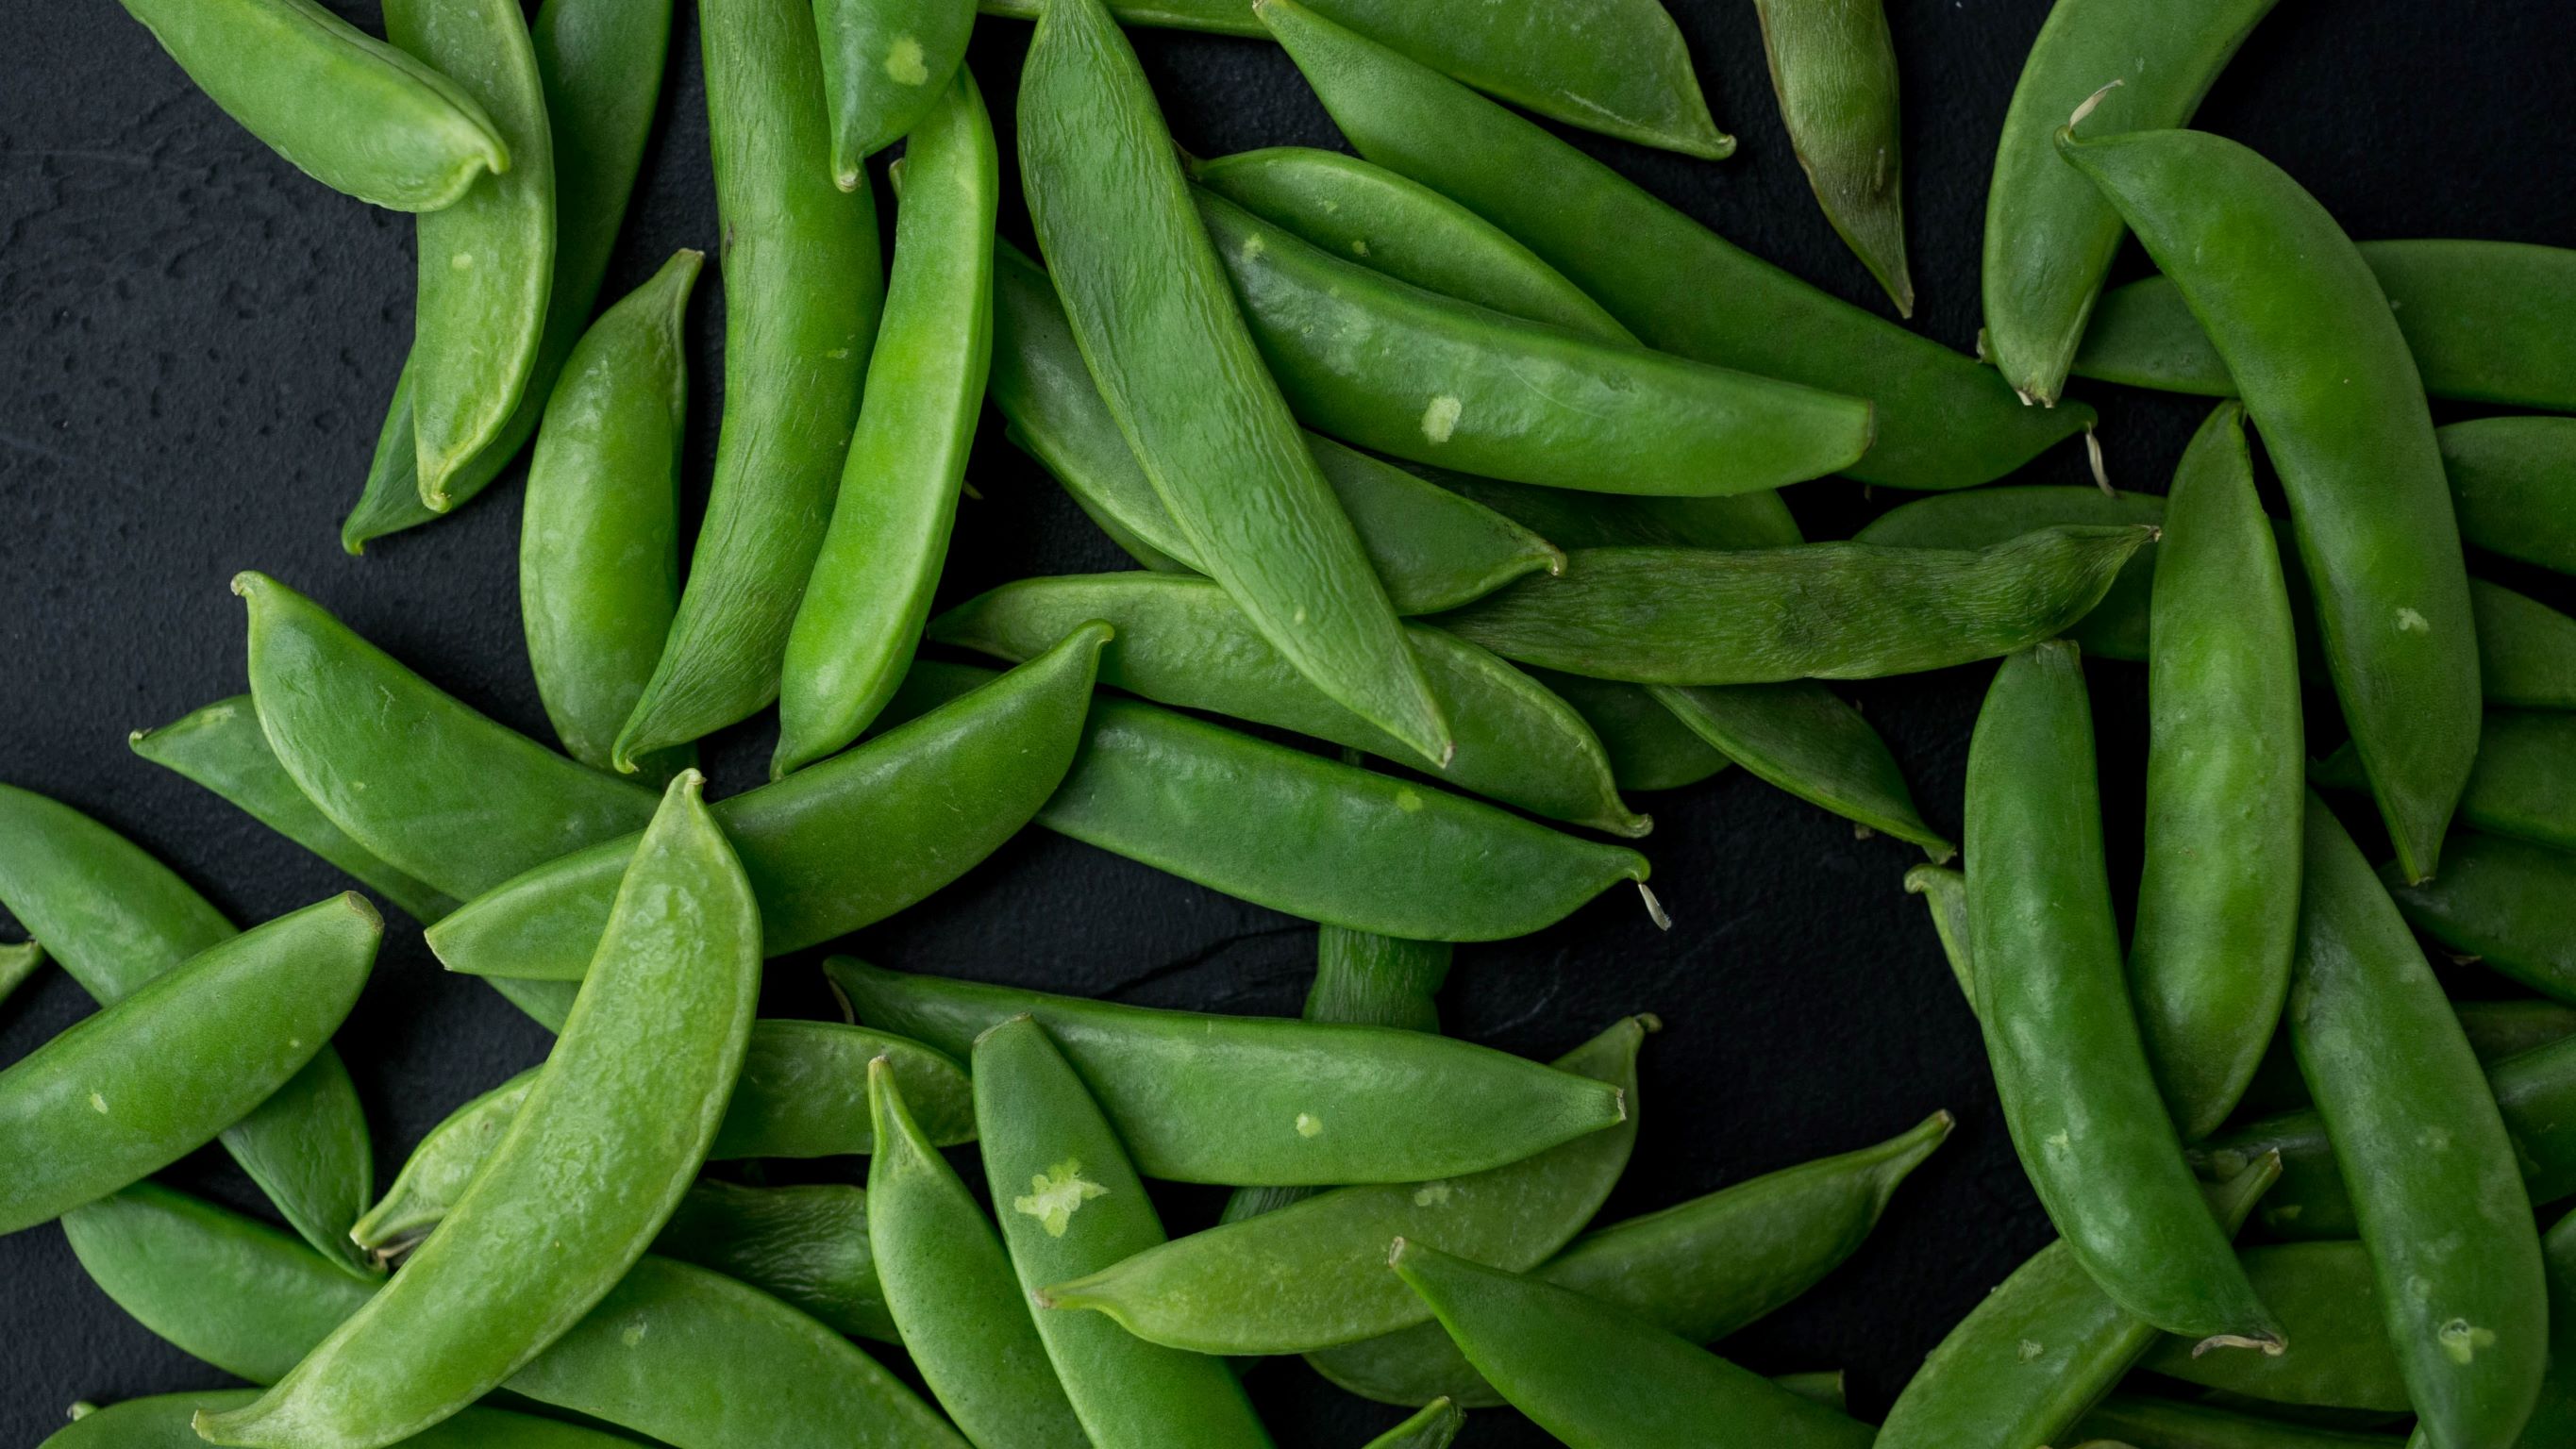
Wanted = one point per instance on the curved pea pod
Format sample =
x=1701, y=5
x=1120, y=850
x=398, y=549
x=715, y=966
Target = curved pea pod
x=2482, y=318
x=2050, y=236
x=1816, y=611
x=1390, y=366
x=806, y=1246
x=1648, y=748
x=1182, y=641
x=2513, y=481
x=1302, y=1278
x=159, y=1072
x=1537, y=1342
x=1434, y=1426
x=17, y=963
x=2036, y=1352
x=1330, y=842
x=846, y=843
x=2521, y=787
x=885, y=64
x=1432, y=549
x=803, y=286
x=2165, y=1424
x=1802, y=738
x=2282, y=287
x=2338, y=1354
x=348, y=110
x=1945, y=892
x=1833, y=67
x=2425, y=1151
x=1943, y=421
x=163, y=1422
x=2502, y=901
x=1083, y=1209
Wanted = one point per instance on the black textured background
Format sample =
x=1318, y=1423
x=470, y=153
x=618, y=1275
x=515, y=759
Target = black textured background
x=195, y=347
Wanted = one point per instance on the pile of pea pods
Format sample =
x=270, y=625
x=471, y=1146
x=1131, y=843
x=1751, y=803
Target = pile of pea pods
x=1458, y=455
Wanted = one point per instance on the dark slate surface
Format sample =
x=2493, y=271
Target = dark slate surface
x=196, y=342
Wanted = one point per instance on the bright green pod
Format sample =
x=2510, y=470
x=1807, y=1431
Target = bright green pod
x=830, y=849
x=2502, y=901
x=2512, y=483
x=17, y=963
x=2524, y=784
x=1544, y=1347
x=1389, y=366
x=1256, y=1100
x=1434, y=1426
x=345, y=108
x=1151, y=310
x=164, y=1422
x=803, y=285
x=885, y=65
x=1329, y=842
x=1304, y=1278
x=1182, y=641
x=2338, y=1354
x=1700, y=1269
x=949, y=1286
x=1862, y=611
x=807, y=1246
x=156, y=1074
x=1082, y=1209
x=2164, y=1424
x=881, y=559
x=1943, y=420
x=2353, y=443
x=1833, y=67
x=1802, y=738
x=1648, y=748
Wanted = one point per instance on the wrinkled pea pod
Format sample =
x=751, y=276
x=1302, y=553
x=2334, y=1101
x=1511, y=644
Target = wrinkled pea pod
x=1254, y=1100
x=1803, y=739
x=885, y=65
x=1434, y=1426
x=1833, y=66
x=164, y=1422
x=807, y=1246
x=2502, y=901
x=1329, y=842
x=1943, y=421
x=1648, y=748
x=17, y=963
x=833, y=848
x=345, y=108
x=2338, y=1354
x=2165, y=1424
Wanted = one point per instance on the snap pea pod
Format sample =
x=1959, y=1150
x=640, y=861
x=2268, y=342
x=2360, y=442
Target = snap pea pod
x=17, y=963
x=1701, y=1269
x=1833, y=67
x=156, y=1074
x=2338, y=1354
x=807, y=1246
x=2351, y=439
x=1802, y=738
x=1326, y=841
x=1254, y=1100
x=2050, y=236
x=2553, y=1421
x=2502, y=901
x=2483, y=319
x=2524, y=784
x=885, y=66
x=2040, y=1349
x=803, y=285
x=1151, y=311
x=1182, y=641
x=631, y=1095
x=1648, y=748
x=1537, y=1342
x=1570, y=519
x=115, y=919
x=1418, y=375
x=163, y=1422
x=1432, y=549
x=830, y=849
x=1943, y=420
x=1083, y=1209
x=1815, y=611
x=1434, y=1426
x=2425, y=1150
x=870, y=590
x=2163, y=1424
x=1305, y=1277
x=2497, y=1031
x=2512, y=480
x=346, y=109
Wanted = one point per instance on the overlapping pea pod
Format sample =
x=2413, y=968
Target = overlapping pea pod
x=1943, y=421
x=2497, y=1031
x=2338, y=1356
x=1434, y=1426
x=1800, y=737
x=116, y=919
x=806, y=1246
x=2502, y=901
x=1329, y=842
x=2523, y=786
x=1833, y=67
x=2510, y=481
x=164, y=1423
x=885, y=65
x=2125, y=1419
x=1647, y=747
x=689, y=1358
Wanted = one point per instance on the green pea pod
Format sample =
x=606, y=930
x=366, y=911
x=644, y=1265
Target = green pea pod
x=600, y=64
x=633, y=1092
x=1182, y=641
x=158, y=1073
x=2510, y=479
x=1329, y=842
x=2282, y=287
x=1301, y=1278
x=1434, y=1426
x=2040, y=1349
x=2520, y=787
x=1538, y=1343
x=1390, y=366
x=2502, y=901
x=2164, y=1424
x=885, y=65
x=17, y=963
x=1701, y=1269
x=2050, y=236
x=1150, y=308
x=833, y=848
x=1237, y=1099
x=2338, y=1354
x=948, y=1282
x=1945, y=891
x=2424, y=1149
x=1943, y=421
x=803, y=286
x=1802, y=738
x=599, y=533
x=347, y=109
x=871, y=586
x=2483, y=319
x=2496, y=1030
x=1860, y=611
x=1647, y=746
x=222, y=748
x=115, y=919
x=1833, y=67
x=1082, y=1210
x=1611, y=520
x=806, y=1246
x=164, y=1423
x=2554, y=1420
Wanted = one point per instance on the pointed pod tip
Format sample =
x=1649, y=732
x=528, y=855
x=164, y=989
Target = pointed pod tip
x=365, y=910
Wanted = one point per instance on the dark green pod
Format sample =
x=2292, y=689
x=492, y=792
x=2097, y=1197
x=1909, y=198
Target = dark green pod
x=2513, y=482
x=2164, y=1424
x=2523, y=785
x=2503, y=902
x=2338, y=1354
x=1833, y=66
x=1802, y=738
x=806, y=1246
x=1648, y=748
